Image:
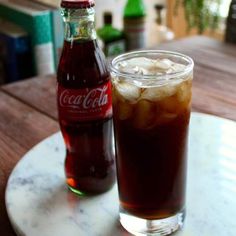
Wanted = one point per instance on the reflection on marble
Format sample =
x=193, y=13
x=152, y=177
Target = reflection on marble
x=38, y=202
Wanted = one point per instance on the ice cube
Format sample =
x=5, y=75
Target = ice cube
x=144, y=115
x=176, y=67
x=141, y=62
x=138, y=65
x=124, y=110
x=115, y=96
x=128, y=91
x=125, y=68
x=158, y=93
x=170, y=104
x=147, y=66
x=163, y=64
x=179, y=101
x=165, y=117
x=184, y=92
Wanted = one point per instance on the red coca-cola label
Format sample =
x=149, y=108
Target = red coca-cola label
x=84, y=104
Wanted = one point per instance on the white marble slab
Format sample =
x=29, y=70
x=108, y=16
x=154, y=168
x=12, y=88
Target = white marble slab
x=39, y=204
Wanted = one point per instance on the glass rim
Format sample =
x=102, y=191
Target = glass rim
x=161, y=78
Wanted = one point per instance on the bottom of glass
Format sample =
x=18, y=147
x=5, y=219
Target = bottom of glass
x=138, y=226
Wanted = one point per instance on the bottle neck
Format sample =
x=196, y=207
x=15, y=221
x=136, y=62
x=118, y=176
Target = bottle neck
x=79, y=24
x=107, y=18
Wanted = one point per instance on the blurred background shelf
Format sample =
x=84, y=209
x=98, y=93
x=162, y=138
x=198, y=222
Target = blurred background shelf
x=173, y=25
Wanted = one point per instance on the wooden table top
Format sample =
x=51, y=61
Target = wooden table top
x=28, y=108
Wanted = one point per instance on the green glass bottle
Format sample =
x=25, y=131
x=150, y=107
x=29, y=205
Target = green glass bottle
x=134, y=24
x=112, y=39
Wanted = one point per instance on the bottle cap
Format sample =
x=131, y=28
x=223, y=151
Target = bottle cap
x=107, y=17
x=159, y=7
x=77, y=3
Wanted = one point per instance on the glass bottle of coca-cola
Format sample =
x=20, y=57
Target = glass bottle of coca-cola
x=84, y=103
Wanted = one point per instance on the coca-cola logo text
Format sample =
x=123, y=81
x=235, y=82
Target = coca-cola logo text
x=94, y=98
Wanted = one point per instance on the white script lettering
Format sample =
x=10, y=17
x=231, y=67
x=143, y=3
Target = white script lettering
x=95, y=98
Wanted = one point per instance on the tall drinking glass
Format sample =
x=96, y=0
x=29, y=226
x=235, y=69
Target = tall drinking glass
x=151, y=112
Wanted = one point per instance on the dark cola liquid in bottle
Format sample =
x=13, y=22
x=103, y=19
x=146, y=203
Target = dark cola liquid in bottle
x=84, y=103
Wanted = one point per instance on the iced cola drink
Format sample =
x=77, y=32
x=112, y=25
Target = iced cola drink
x=151, y=112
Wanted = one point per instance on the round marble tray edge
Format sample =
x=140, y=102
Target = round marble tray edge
x=14, y=226
x=22, y=158
x=210, y=115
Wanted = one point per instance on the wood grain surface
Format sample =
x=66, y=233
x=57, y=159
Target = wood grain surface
x=21, y=127
x=28, y=108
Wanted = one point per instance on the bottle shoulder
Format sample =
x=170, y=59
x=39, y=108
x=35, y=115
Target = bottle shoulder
x=134, y=9
x=109, y=33
x=82, y=64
